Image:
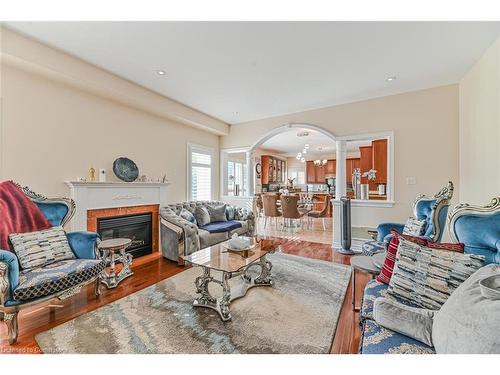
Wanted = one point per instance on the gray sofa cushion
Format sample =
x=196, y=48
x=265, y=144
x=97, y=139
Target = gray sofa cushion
x=410, y=321
x=208, y=239
x=202, y=216
x=468, y=322
x=217, y=213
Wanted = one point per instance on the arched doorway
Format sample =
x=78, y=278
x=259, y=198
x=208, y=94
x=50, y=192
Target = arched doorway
x=340, y=147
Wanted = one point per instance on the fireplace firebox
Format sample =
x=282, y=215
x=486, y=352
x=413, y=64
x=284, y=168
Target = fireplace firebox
x=136, y=227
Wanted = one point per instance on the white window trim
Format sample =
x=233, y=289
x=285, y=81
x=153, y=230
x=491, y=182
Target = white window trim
x=209, y=150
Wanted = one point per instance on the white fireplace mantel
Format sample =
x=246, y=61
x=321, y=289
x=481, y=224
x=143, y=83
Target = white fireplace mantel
x=99, y=195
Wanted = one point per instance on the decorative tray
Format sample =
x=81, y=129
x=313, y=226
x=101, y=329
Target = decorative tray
x=490, y=287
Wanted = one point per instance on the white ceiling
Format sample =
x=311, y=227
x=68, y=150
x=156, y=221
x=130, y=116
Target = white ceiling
x=289, y=144
x=241, y=71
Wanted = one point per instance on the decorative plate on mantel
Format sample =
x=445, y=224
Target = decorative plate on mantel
x=125, y=169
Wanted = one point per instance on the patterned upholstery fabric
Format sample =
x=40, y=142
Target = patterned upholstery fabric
x=370, y=248
x=55, y=277
x=180, y=237
x=427, y=277
x=379, y=340
x=37, y=249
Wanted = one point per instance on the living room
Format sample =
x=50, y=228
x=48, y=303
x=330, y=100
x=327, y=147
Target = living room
x=221, y=195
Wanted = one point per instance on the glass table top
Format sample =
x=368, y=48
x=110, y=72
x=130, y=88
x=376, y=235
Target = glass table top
x=218, y=257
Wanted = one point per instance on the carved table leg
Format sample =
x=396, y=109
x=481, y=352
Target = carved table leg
x=201, y=283
x=226, y=298
x=1, y=317
x=12, y=329
x=265, y=272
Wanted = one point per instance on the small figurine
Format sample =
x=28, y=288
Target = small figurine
x=91, y=174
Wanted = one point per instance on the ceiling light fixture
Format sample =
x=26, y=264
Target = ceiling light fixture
x=320, y=163
x=302, y=134
x=390, y=79
x=161, y=72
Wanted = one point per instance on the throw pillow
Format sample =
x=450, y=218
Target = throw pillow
x=414, y=227
x=217, y=213
x=186, y=215
x=426, y=277
x=390, y=258
x=37, y=249
x=468, y=321
x=410, y=321
x=230, y=214
x=202, y=216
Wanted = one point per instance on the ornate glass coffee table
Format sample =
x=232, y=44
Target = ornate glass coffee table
x=231, y=265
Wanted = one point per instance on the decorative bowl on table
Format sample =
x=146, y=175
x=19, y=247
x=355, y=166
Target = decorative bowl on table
x=242, y=243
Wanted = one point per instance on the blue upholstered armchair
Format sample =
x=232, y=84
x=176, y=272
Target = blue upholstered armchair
x=19, y=289
x=478, y=228
x=431, y=209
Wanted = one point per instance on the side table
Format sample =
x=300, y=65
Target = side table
x=112, y=251
x=361, y=263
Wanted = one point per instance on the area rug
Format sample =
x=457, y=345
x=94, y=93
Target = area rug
x=298, y=314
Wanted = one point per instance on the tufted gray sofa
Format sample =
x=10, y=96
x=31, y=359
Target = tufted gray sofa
x=180, y=237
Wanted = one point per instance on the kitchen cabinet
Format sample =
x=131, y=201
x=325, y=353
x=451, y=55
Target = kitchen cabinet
x=379, y=160
x=310, y=172
x=273, y=170
x=351, y=164
x=331, y=167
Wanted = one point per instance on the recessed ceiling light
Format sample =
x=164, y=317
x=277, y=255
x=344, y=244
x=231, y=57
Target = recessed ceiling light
x=390, y=79
x=161, y=72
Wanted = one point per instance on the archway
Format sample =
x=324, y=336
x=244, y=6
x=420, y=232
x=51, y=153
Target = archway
x=340, y=150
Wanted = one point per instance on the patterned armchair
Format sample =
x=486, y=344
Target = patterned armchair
x=20, y=289
x=431, y=209
x=181, y=237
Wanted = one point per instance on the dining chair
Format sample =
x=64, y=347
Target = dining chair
x=270, y=204
x=319, y=214
x=290, y=209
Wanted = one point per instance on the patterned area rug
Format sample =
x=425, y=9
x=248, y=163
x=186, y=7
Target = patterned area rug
x=298, y=314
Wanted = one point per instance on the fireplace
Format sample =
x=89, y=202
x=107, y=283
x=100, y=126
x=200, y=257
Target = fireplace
x=137, y=227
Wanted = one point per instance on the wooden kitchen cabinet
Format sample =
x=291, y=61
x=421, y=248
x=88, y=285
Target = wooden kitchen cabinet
x=351, y=163
x=379, y=160
x=310, y=172
x=331, y=167
x=320, y=174
x=273, y=170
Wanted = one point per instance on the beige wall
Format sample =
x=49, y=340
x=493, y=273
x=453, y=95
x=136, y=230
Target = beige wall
x=480, y=129
x=52, y=131
x=425, y=126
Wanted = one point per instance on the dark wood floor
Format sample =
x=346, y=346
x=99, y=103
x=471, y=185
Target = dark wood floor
x=151, y=269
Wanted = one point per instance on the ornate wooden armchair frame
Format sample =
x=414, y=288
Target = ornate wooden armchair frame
x=10, y=308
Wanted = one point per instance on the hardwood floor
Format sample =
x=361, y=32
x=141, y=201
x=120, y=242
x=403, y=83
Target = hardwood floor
x=151, y=269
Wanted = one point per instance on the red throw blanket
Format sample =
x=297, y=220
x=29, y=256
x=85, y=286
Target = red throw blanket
x=18, y=214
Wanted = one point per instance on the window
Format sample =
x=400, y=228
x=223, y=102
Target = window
x=298, y=176
x=200, y=178
x=236, y=177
